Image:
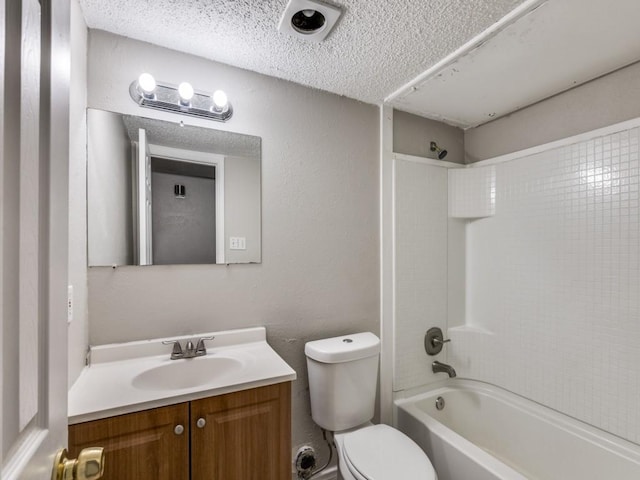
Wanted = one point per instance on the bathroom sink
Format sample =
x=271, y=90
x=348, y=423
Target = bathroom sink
x=187, y=373
x=134, y=376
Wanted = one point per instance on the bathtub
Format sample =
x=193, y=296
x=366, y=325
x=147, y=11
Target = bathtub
x=486, y=433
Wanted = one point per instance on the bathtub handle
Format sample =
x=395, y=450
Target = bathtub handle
x=434, y=341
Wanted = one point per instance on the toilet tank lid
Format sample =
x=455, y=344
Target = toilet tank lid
x=343, y=349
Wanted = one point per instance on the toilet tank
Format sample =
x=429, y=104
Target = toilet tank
x=343, y=375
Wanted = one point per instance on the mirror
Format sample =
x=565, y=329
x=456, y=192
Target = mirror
x=162, y=193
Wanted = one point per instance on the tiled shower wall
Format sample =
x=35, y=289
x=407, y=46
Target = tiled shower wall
x=553, y=283
x=472, y=192
x=420, y=266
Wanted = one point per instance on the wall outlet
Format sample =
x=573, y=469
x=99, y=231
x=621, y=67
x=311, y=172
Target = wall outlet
x=237, y=243
x=69, y=303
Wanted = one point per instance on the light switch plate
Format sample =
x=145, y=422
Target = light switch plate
x=237, y=243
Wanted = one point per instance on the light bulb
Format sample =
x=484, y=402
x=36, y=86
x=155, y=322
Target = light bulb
x=185, y=90
x=147, y=83
x=220, y=100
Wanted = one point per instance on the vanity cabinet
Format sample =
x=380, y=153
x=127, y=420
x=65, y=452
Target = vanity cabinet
x=141, y=446
x=241, y=435
x=244, y=435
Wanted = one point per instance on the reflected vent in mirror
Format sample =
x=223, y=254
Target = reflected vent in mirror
x=179, y=190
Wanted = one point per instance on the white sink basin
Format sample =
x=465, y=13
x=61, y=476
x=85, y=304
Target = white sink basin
x=134, y=376
x=187, y=373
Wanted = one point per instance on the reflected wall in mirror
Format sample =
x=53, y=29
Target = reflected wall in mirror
x=162, y=193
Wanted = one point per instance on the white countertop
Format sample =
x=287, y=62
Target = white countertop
x=106, y=388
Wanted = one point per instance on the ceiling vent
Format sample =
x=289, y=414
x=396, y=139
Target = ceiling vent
x=309, y=19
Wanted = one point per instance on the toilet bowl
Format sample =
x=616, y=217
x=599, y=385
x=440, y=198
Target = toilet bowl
x=381, y=452
x=343, y=375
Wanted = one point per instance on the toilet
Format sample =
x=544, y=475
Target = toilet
x=343, y=375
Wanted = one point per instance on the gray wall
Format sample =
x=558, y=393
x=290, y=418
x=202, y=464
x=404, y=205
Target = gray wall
x=601, y=102
x=412, y=135
x=109, y=170
x=319, y=274
x=184, y=229
x=242, y=207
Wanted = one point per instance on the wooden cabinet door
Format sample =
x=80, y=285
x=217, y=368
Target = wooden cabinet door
x=246, y=435
x=139, y=446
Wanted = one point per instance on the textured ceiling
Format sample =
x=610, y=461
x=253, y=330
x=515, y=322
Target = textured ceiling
x=376, y=47
x=188, y=137
x=550, y=47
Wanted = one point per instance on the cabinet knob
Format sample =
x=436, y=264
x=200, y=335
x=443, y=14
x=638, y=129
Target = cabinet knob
x=201, y=423
x=178, y=430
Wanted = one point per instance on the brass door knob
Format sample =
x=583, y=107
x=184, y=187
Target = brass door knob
x=88, y=466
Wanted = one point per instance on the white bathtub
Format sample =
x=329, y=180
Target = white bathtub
x=486, y=433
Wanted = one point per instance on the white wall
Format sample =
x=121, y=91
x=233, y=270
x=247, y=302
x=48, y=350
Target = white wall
x=429, y=247
x=319, y=270
x=425, y=288
x=553, y=279
x=573, y=336
x=78, y=329
x=420, y=269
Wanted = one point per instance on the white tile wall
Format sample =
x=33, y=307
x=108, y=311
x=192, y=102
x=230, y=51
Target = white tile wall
x=421, y=267
x=472, y=192
x=555, y=276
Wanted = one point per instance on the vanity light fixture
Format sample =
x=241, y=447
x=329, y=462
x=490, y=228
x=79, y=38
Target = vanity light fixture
x=147, y=84
x=220, y=101
x=185, y=90
x=146, y=92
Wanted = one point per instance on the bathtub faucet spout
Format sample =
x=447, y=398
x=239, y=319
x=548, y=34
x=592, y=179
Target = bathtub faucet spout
x=439, y=367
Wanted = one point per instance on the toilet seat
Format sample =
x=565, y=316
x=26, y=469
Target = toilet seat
x=380, y=452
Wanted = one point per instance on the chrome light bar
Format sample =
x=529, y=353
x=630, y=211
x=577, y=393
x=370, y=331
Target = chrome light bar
x=162, y=96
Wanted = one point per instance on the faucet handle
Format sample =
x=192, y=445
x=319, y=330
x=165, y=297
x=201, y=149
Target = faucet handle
x=434, y=341
x=177, y=349
x=200, y=348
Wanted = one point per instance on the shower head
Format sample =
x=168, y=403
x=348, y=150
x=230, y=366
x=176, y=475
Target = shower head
x=440, y=151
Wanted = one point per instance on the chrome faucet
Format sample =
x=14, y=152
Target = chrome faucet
x=189, y=351
x=439, y=367
x=177, y=352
